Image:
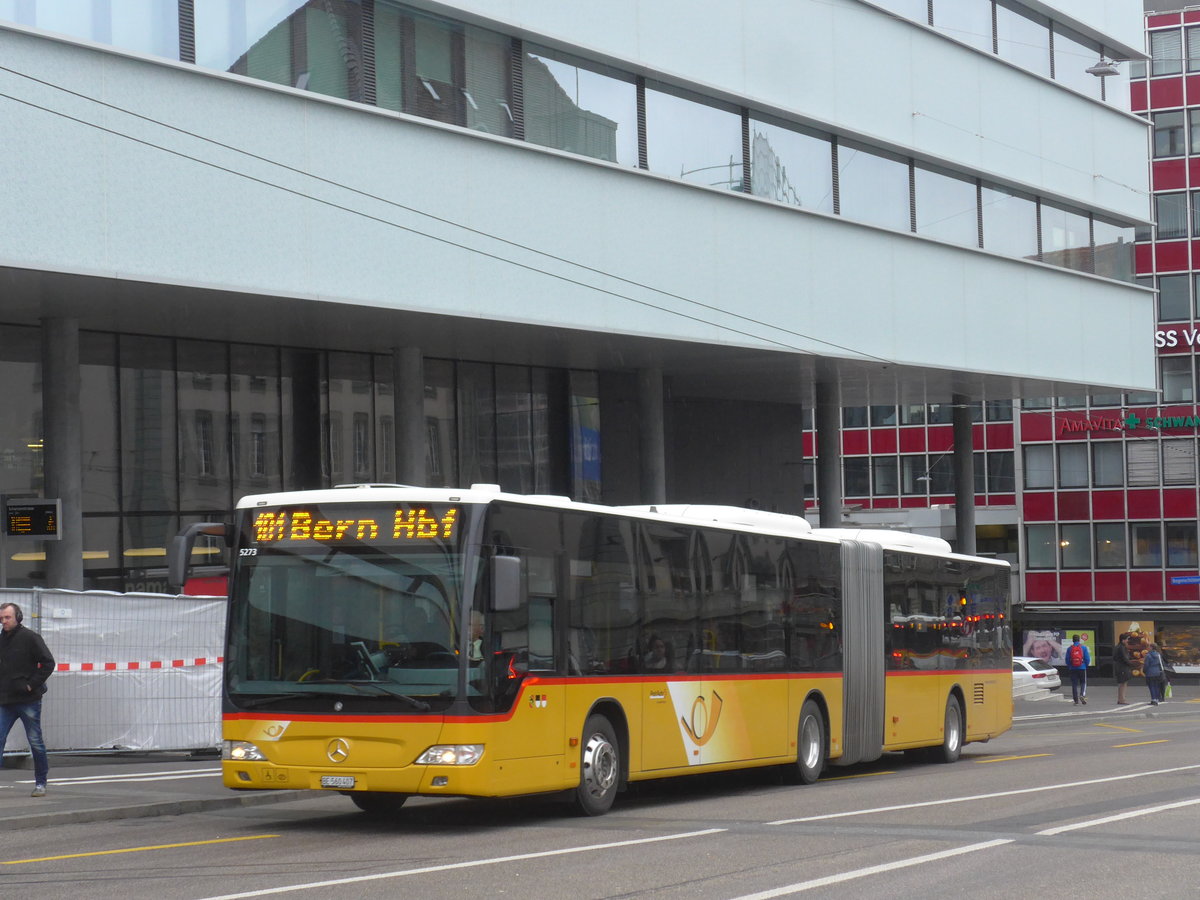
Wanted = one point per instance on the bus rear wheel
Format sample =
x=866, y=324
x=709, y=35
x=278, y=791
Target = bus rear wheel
x=811, y=745
x=599, y=767
x=952, y=734
x=378, y=803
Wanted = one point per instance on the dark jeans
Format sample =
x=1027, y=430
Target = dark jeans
x=1078, y=683
x=31, y=715
x=1156, y=683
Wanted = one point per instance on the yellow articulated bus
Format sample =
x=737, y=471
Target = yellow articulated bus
x=389, y=641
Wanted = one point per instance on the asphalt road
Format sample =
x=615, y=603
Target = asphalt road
x=1104, y=798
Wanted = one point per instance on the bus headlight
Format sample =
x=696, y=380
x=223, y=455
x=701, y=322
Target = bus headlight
x=242, y=751
x=451, y=755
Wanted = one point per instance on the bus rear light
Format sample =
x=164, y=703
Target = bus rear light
x=451, y=755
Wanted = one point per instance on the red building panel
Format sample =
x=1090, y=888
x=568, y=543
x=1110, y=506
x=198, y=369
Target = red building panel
x=1111, y=587
x=941, y=438
x=1192, y=16
x=914, y=503
x=1169, y=174
x=1194, y=162
x=912, y=440
x=999, y=437
x=883, y=440
x=1171, y=256
x=1179, y=503
x=855, y=443
x=1159, y=20
x=808, y=443
x=1139, y=95
x=1166, y=93
x=1182, y=593
x=1038, y=507
x=1144, y=504
x=1037, y=426
x=1075, y=587
x=1000, y=500
x=1145, y=587
x=1074, y=505
x=1108, y=505
x=886, y=503
x=1041, y=587
x=1143, y=258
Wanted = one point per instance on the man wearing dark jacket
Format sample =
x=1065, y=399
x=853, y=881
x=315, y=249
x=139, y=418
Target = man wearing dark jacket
x=25, y=664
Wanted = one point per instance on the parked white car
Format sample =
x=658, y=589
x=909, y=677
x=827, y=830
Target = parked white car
x=1031, y=673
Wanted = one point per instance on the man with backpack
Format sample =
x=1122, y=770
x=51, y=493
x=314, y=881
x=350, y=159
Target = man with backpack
x=1078, y=660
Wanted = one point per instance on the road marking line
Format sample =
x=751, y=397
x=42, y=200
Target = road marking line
x=1011, y=758
x=871, y=870
x=1143, y=743
x=863, y=775
x=1118, y=727
x=471, y=864
x=195, y=773
x=100, y=779
x=975, y=797
x=1117, y=818
x=253, y=837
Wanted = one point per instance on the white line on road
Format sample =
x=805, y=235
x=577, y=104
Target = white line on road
x=974, y=797
x=469, y=864
x=870, y=870
x=131, y=777
x=1117, y=818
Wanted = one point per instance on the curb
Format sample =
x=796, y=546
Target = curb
x=25, y=820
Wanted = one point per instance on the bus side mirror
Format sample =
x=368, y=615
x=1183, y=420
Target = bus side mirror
x=506, y=583
x=180, y=553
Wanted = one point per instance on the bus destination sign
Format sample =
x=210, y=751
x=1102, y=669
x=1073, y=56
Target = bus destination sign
x=33, y=518
x=347, y=524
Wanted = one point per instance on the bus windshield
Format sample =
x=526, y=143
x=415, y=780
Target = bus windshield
x=325, y=608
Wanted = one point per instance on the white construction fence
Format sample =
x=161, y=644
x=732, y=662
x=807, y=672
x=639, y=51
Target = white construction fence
x=134, y=671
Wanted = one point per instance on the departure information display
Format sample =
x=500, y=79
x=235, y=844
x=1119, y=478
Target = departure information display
x=32, y=518
x=345, y=524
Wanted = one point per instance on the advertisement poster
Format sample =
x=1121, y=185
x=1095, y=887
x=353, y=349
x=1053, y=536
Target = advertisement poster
x=1044, y=643
x=1141, y=634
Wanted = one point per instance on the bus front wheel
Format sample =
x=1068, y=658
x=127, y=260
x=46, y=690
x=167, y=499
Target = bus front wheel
x=811, y=745
x=599, y=767
x=378, y=803
x=952, y=735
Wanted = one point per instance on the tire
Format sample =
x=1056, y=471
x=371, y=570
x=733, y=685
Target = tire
x=599, y=767
x=812, y=746
x=378, y=803
x=952, y=735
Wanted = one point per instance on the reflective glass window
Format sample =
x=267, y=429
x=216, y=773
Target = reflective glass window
x=1141, y=463
x=1168, y=133
x=1072, y=465
x=940, y=414
x=441, y=423
x=148, y=432
x=947, y=207
x=1000, y=476
x=791, y=166
x=1076, y=402
x=1194, y=130
x=695, y=141
x=969, y=21
x=854, y=417
x=514, y=429
x=999, y=410
x=873, y=188
x=914, y=474
x=1174, y=299
x=1166, y=52
x=1066, y=239
x=98, y=420
x=351, y=390
x=584, y=404
x=1193, y=49
x=1009, y=224
x=1108, y=464
x=256, y=425
x=912, y=414
x=884, y=475
x=1170, y=214
x=1023, y=37
x=1114, y=250
x=941, y=474
x=1041, y=547
x=1179, y=460
x=1181, y=544
x=476, y=423
x=1115, y=88
x=226, y=30
x=144, y=26
x=856, y=474
x=203, y=416
x=1073, y=56
x=1104, y=400
x=1176, y=378
x=1110, y=545
x=21, y=447
x=883, y=415
x=1075, y=546
x=1039, y=466
x=587, y=109
x=1145, y=539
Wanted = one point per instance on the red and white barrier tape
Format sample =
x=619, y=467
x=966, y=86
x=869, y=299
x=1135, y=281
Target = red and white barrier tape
x=136, y=666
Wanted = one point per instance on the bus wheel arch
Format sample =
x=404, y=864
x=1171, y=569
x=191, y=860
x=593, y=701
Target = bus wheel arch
x=603, y=758
x=954, y=733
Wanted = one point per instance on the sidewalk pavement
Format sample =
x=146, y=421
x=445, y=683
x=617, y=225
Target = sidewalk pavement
x=104, y=787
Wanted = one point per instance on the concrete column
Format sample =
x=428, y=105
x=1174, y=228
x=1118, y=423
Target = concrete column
x=408, y=398
x=62, y=450
x=964, y=476
x=652, y=435
x=827, y=414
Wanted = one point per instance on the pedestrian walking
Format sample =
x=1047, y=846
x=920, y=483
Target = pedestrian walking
x=25, y=664
x=1155, y=672
x=1078, y=659
x=1122, y=667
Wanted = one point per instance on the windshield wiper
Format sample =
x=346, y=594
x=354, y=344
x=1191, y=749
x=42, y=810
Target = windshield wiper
x=381, y=690
x=273, y=698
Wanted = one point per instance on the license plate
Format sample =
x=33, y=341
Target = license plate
x=337, y=781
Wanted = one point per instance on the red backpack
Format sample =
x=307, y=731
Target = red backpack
x=1075, y=656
